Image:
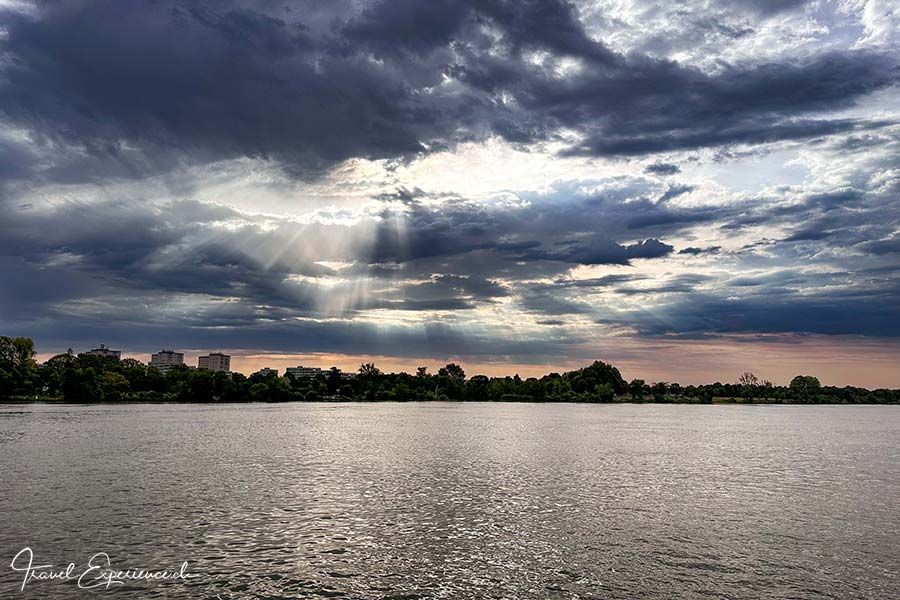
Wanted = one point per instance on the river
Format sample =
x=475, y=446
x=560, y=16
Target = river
x=455, y=500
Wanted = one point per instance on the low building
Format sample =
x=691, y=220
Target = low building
x=164, y=360
x=104, y=351
x=266, y=371
x=300, y=372
x=215, y=361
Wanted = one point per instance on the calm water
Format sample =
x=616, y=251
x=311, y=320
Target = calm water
x=449, y=500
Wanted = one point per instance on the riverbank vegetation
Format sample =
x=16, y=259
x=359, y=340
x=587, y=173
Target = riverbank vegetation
x=73, y=377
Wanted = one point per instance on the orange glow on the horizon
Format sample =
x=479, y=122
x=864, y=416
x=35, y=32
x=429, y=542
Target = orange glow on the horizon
x=839, y=361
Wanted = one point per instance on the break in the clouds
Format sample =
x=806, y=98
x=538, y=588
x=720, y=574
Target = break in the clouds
x=536, y=183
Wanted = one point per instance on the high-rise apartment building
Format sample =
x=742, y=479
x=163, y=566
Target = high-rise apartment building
x=215, y=361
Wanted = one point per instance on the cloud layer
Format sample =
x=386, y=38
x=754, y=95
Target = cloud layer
x=523, y=181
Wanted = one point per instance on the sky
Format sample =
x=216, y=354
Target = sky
x=687, y=190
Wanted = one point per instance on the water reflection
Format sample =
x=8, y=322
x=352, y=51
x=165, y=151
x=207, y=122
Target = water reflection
x=459, y=500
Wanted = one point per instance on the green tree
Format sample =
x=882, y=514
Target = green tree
x=369, y=370
x=604, y=392
x=805, y=387
x=660, y=391
x=334, y=381
x=636, y=388
x=18, y=371
x=82, y=384
x=453, y=371
x=477, y=388
x=451, y=381
x=111, y=386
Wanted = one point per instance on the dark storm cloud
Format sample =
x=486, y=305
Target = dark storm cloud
x=673, y=191
x=101, y=91
x=844, y=220
x=122, y=260
x=670, y=137
x=229, y=269
x=120, y=88
x=681, y=284
x=233, y=329
x=556, y=231
x=872, y=313
x=693, y=250
x=602, y=251
x=441, y=292
x=835, y=200
x=662, y=169
x=549, y=303
x=768, y=7
x=655, y=105
x=654, y=215
x=780, y=278
x=882, y=247
x=421, y=258
x=37, y=290
x=130, y=248
x=605, y=281
x=206, y=82
x=15, y=160
x=693, y=305
x=551, y=322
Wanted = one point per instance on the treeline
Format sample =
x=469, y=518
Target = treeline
x=73, y=377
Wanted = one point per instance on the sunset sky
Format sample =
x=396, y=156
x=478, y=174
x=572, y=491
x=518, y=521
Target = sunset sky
x=687, y=190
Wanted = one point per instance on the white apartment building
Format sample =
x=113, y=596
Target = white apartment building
x=266, y=371
x=300, y=372
x=104, y=351
x=215, y=361
x=312, y=372
x=164, y=360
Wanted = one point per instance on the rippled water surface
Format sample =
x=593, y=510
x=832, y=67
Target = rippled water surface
x=447, y=500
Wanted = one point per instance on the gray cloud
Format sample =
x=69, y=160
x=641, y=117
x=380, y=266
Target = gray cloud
x=101, y=93
x=449, y=257
x=150, y=87
x=693, y=250
x=662, y=169
x=600, y=251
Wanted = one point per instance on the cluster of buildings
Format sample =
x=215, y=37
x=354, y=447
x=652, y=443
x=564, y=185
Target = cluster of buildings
x=165, y=360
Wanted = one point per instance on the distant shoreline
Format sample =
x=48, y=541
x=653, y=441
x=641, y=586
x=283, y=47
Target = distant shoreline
x=346, y=400
x=100, y=376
